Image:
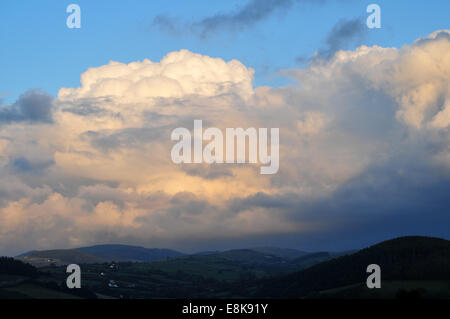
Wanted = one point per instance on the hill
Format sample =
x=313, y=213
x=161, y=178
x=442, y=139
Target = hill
x=96, y=254
x=123, y=253
x=11, y=266
x=402, y=259
x=19, y=280
x=285, y=253
x=60, y=257
x=410, y=267
x=129, y=253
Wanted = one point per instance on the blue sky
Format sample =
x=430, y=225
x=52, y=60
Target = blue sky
x=39, y=51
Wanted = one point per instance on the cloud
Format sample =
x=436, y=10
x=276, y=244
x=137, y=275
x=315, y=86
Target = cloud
x=246, y=16
x=32, y=106
x=363, y=142
x=343, y=34
x=312, y=123
x=177, y=75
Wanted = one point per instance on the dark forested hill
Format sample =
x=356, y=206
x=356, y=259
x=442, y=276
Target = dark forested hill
x=405, y=259
x=11, y=266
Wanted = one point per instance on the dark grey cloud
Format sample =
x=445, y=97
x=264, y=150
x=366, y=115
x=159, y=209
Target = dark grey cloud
x=401, y=197
x=187, y=204
x=33, y=106
x=343, y=34
x=246, y=16
x=167, y=24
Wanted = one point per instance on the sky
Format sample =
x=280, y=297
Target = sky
x=86, y=117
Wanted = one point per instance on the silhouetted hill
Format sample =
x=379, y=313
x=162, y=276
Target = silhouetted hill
x=130, y=253
x=405, y=258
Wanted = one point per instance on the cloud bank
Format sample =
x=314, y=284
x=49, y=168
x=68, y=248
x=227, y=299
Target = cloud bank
x=364, y=153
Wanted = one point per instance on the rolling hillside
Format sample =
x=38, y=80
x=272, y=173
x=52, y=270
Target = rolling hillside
x=410, y=267
x=19, y=280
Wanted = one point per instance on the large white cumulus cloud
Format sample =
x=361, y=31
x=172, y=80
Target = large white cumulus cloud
x=101, y=171
x=416, y=76
x=177, y=75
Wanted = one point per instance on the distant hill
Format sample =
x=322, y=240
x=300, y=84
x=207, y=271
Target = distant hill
x=130, y=253
x=26, y=253
x=249, y=256
x=206, y=252
x=279, y=260
x=402, y=259
x=97, y=254
x=60, y=257
x=271, y=259
x=311, y=259
x=285, y=253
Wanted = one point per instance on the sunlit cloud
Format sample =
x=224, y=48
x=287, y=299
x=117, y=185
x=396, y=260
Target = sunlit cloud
x=93, y=165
